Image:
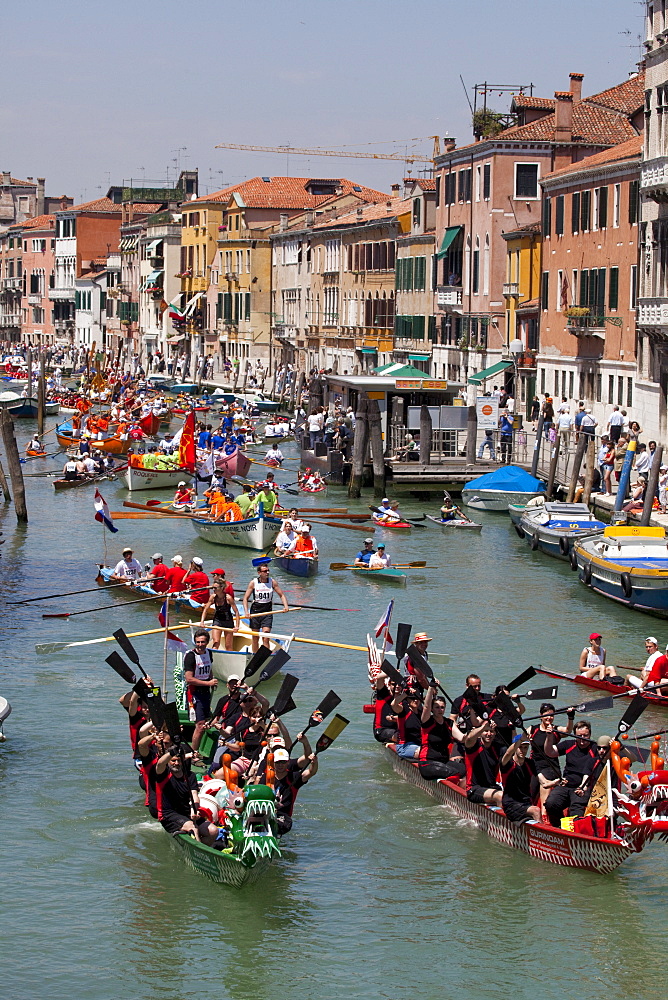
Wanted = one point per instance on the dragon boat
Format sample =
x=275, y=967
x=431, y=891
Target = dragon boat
x=623, y=823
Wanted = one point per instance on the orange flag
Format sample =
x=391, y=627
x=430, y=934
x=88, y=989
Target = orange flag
x=187, y=453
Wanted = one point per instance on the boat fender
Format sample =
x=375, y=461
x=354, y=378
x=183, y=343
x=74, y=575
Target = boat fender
x=533, y=542
x=208, y=807
x=573, y=559
x=519, y=530
x=627, y=586
x=563, y=545
x=586, y=575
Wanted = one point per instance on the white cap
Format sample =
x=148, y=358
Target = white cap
x=197, y=561
x=281, y=754
x=234, y=677
x=652, y=638
x=182, y=483
x=177, y=559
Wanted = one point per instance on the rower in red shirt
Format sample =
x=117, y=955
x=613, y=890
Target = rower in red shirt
x=657, y=677
x=176, y=575
x=158, y=571
x=196, y=581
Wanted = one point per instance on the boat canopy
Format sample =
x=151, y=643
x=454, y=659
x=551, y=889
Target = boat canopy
x=509, y=479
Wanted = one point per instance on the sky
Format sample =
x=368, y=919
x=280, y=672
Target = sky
x=98, y=93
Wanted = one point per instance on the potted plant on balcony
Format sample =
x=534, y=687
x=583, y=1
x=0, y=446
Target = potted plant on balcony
x=463, y=342
x=576, y=311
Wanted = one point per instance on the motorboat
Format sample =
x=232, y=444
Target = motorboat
x=626, y=564
x=554, y=527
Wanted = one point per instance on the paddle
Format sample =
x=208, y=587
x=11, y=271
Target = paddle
x=334, y=729
x=273, y=665
x=392, y=672
x=411, y=565
x=327, y=705
x=367, y=529
x=103, y=607
x=71, y=593
x=408, y=520
x=420, y=663
x=627, y=721
x=256, y=661
x=538, y=694
x=117, y=663
x=648, y=736
x=598, y=705
x=403, y=638
x=129, y=650
x=284, y=703
x=526, y=675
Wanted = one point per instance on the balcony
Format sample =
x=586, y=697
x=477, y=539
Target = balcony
x=408, y=344
x=34, y=300
x=652, y=312
x=449, y=296
x=13, y=283
x=586, y=325
x=526, y=361
x=511, y=290
x=654, y=179
x=10, y=319
x=61, y=294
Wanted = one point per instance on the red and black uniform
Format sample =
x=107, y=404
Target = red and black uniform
x=227, y=710
x=434, y=758
x=286, y=793
x=136, y=721
x=409, y=727
x=172, y=797
x=482, y=769
x=384, y=724
x=549, y=767
x=148, y=779
x=578, y=762
x=244, y=733
x=520, y=789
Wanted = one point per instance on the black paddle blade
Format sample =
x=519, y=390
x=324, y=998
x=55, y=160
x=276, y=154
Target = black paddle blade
x=327, y=705
x=256, y=661
x=156, y=711
x=334, y=729
x=635, y=753
x=171, y=720
x=539, y=694
x=508, y=707
x=403, y=638
x=142, y=690
x=391, y=672
x=522, y=678
x=632, y=713
x=290, y=707
x=418, y=661
x=278, y=660
x=117, y=663
x=599, y=705
x=127, y=647
x=290, y=682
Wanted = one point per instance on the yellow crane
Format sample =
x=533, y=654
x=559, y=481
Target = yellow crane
x=404, y=158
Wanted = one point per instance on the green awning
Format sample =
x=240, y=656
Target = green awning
x=369, y=350
x=449, y=238
x=480, y=377
x=419, y=357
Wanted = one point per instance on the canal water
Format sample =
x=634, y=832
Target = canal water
x=381, y=893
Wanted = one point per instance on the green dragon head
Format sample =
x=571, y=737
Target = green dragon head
x=250, y=816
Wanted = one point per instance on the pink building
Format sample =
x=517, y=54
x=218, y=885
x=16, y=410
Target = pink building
x=39, y=242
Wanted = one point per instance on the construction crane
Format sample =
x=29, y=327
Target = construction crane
x=407, y=158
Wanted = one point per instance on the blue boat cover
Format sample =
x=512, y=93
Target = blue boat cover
x=510, y=479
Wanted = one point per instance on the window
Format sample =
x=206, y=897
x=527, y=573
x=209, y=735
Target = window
x=616, y=198
x=475, y=275
x=450, y=188
x=585, y=211
x=239, y=260
x=575, y=212
x=247, y=305
x=556, y=383
x=634, y=189
x=559, y=215
x=420, y=274
x=248, y=262
x=39, y=246
x=478, y=179
x=526, y=180
x=416, y=211
x=438, y=191
x=613, y=289
x=620, y=390
x=486, y=179
x=634, y=286
x=571, y=380
x=611, y=389
x=547, y=217
x=574, y=288
x=542, y=381
x=629, y=392
x=545, y=290
x=464, y=191
x=601, y=205
x=599, y=387
x=560, y=282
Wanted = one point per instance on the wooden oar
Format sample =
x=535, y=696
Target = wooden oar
x=153, y=510
x=136, y=515
x=89, y=611
x=410, y=565
x=72, y=593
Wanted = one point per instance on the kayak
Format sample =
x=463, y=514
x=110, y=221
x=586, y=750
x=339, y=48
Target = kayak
x=389, y=574
x=311, y=489
x=455, y=522
x=661, y=701
x=297, y=566
x=393, y=525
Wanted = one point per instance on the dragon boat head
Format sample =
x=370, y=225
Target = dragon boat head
x=250, y=815
x=643, y=808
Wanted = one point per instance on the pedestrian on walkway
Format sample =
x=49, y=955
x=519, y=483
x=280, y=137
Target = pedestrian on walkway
x=487, y=442
x=564, y=426
x=506, y=437
x=615, y=424
x=548, y=417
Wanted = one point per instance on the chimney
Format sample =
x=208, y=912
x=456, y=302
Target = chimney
x=576, y=86
x=310, y=216
x=282, y=222
x=563, y=117
x=360, y=212
x=39, y=207
x=6, y=178
x=395, y=190
x=449, y=144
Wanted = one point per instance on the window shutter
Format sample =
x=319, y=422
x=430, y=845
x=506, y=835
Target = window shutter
x=247, y=305
x=603, y=208
x=486, y=179
x=613, y=290
x=633, y=201
x=545, y=290
x=559, y=215
x=584, y=288
x=418, y=327
x=476, y=271
x=547, y=216
x=575, y=213
x=219, y=306
x=227, y=306
x=600, y=292
x=585, y=210
x=408, y=274
x=432, y=329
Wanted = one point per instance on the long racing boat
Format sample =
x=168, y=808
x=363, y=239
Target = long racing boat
x=251, y=533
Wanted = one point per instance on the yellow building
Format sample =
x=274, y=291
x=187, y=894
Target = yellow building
x=200, y=222
x=521, y=292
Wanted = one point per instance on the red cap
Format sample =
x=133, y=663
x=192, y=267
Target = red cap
x=218, y=572
x=595, y=635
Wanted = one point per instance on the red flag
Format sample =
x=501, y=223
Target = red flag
x=187, y=453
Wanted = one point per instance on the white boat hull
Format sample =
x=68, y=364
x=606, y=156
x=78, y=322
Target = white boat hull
x=253, y=533
x=154, y=479
x=226, y=662
x=495, y=499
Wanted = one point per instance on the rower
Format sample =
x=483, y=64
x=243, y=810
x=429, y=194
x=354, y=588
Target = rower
x=449, y=511
x=518, y=774
x=544, y=738
x=387, y=511
x=70, y=470
x=658, y=674
x=274, y=454
x=161, y=586
x=197, y=581
x=363, y=557
x=183, y=494
x=482, y=753
x=286, y=540
x=653, y=654
x=178, y=800
x=387, y=704
x=438, y=733
x=580, y=757
x=262, y=590
x=297, y=522
x=417, y=680
x=175, y=575
x=380, y=559
x=267, y=498
x=592, y=660
x=224, y=607
x=34, y=444
x=128, y=569
x=291, y=775
x=245, y=499
x=198, y=673
x=409, y=727
x=306, y=546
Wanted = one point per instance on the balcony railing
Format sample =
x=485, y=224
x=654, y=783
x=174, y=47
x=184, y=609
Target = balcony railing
x=34, y=300
x=448, y=296
x=654, y=178
x=511, y=290
x=652, y=312
x=59, y=294
x=16, y=283
x=10, y=319
x=409, y=344
x=587, y=326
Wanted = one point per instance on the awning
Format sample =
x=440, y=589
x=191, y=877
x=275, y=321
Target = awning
x=191, y=305
x=369, y=350
x=151, y=248
x=154, y=278
x=419, y=357
x=449, y=237
x=480, y=377
x=176, y=340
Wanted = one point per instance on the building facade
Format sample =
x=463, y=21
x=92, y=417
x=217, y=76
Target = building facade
x=38, y=251
x=415, y=319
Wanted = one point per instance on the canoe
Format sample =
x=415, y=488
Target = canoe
x=68, y=484
x=251, y=533
x=297, y=566
x=458, y=522
x=660, y=701
x=389, y=574
x=150, y=424
x=317, y=489
x=553, y=528
x=139, y=590
x=111, y=446
x=628, y=565
x=236, y=464
x=393, y=525
x=198, y=409
x=154, y=479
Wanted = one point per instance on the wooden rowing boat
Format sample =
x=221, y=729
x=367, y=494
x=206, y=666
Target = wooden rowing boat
x=251, y=533
x=135, y=590
x=228, y=662
x=388, y=574
x=660, y=701
x=68, y=484
x=111, y=445
x=297, y=566
x=137, y=478
x=457, y=522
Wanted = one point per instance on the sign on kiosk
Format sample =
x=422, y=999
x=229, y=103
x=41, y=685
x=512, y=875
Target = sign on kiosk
x=487, y=409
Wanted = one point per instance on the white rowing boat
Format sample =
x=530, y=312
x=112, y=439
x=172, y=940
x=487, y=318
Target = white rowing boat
x=251, y=533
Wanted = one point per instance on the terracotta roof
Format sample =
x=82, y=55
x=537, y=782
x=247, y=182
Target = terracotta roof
x=529, y=306
x=284, y=192
x=15, y=180
x=526, y=101
x=627, y=97
x=629, y=150
x=111, y=207
x=426, y=183
x=40, y=222
x=388, y=209
x=596, y=125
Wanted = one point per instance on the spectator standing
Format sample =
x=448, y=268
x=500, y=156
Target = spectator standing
x=615, y=425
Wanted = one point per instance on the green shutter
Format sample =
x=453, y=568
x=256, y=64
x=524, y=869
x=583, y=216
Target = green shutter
x=600, y=292
x=545, y=290
x=398, y=272
x=408, y=274
x=603, y=208
x=575, y=213
x=547, y=216
x=227, y=306
x=418, y=327
x=585, y=205
x=559, y=215
x=247, y=305
x=219, y=306
x=584, y=288
x=613, y=290
x=431, y=329
x=633, y=201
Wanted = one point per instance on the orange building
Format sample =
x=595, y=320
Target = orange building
x=39, y=242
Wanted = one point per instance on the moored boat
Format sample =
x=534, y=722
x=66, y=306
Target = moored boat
x=497, y=490
x=228, y=662
x=110, y=445
x=554, y=527
x=622, y=687
x=297, y=566
x=251, y=533
x=11, y=401
x=456, y=522
x=5, y=711
x=388, y=574
x=186, y=388
x=626, y=564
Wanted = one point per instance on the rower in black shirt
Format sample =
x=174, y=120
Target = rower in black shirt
x=409, y=727
x=482, y=755
x=177, y=799
x=437, y=735
x=580, y=757
x=544, y=739
x=291, y=775
x=520, y=784
x=384, y=718
x=505, y=728
x=472, y=698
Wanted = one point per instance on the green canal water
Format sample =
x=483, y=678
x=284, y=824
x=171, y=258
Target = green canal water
x=381, y=893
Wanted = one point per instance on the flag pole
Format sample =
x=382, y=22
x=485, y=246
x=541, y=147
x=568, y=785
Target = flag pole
x=164, y=650
x=389, y=622
x=104, y=540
